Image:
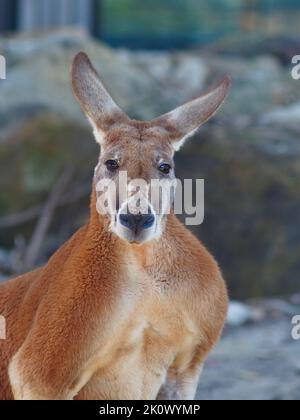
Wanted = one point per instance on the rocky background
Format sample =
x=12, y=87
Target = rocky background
x=257, y=358
x=249, y=156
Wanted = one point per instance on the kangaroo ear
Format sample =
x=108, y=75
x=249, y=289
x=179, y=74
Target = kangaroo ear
x=94, y=99
x=185, y=120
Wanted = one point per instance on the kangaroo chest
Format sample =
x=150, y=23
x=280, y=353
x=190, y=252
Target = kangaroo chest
x=142, y=350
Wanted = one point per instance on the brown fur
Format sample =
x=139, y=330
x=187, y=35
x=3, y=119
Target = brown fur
x=107, y=319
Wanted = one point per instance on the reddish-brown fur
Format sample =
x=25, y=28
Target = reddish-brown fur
x=109, y=319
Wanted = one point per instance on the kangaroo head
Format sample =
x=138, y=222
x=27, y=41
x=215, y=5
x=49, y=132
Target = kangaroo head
x=137, y=154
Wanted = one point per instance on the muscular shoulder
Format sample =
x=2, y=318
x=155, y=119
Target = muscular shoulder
x=201, y=289
x=189, y=256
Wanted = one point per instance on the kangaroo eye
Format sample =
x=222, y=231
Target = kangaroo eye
x=112, y=165
x=165, y=168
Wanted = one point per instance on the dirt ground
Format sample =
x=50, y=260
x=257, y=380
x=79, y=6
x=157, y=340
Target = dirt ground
x=257, y=362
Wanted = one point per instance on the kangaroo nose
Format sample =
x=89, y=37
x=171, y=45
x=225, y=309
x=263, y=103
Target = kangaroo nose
x=137, y=222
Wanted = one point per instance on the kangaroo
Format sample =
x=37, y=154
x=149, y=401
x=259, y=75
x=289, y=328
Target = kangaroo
x=130, y=307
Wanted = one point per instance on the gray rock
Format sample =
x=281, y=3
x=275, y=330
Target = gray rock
x=258, y=362
x=240, y=314
x=288, y=116
x=4, y=261
x=281, y=307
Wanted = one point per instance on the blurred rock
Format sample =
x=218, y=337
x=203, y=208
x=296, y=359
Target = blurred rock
x=255, y=362
x=295, y=299
x=279, y=306
x=38, y=78
x=288, y=116
x=4, y=261
x=39, y=81
x=240, y=314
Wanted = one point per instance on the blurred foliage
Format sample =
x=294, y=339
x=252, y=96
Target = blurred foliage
x=34, y=159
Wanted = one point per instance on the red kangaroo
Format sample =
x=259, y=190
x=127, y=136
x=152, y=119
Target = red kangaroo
x=132, y=304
